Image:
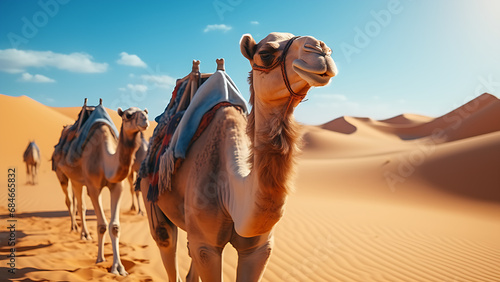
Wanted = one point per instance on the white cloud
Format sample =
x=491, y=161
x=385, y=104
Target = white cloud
x=131, y=60
x=254, y=22
x=161, y=81
x=17, y=61
x=141, y=88
x=27, y=77
x=213, y=27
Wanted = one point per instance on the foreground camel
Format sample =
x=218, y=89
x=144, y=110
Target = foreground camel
x=105, y=161
x=136, y=165
x=31, y=157
x=233, y=184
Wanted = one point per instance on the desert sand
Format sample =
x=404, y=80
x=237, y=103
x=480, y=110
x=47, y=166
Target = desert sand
x=409, y=198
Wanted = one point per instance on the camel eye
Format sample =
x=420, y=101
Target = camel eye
x=128, y=116
x=266, y=57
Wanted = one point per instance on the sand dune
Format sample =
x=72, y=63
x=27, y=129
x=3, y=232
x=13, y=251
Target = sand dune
x=375, y=200
x=408, y=119
x=472, y=119
x=26, y=119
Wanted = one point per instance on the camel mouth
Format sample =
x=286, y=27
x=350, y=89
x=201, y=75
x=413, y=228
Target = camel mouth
x=317, y=73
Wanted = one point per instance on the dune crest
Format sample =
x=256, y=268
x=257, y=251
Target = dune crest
x=474, y=118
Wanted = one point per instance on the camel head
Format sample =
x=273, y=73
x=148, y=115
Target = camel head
x=134, y=120
x=307, y=63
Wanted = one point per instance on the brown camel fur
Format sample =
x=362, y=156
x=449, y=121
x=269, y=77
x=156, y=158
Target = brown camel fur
x=233, y=184
x=31, y=157
x=136, y=165
x=105, y=161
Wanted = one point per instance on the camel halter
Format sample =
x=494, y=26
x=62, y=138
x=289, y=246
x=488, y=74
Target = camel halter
x=282, y=61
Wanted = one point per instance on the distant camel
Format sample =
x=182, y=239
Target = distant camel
x=136, y=165
x=31, y=157
x=105, y=160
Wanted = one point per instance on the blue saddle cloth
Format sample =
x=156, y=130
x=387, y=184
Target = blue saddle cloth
x=175, y=130
x=74, y=139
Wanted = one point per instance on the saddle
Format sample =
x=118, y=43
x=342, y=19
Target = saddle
x=195, y=100
x=74, y=138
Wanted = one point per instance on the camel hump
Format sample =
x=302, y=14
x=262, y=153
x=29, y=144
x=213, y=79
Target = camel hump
x=73, y=139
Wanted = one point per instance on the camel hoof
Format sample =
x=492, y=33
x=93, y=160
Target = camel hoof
x=140, y=213
x=86, y=237
x=119, y=269
x=99, y=260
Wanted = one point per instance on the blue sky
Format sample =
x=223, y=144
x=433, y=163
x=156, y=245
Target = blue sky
x=425, y=57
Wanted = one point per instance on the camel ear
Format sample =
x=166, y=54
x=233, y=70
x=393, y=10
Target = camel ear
x=120, y=111
x=248, y=46
x=146, y=111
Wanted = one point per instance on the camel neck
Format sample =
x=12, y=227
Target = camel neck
x=273, y=151
x=122, y=158
x=274, y=148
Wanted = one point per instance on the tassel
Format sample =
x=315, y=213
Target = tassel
x=152, y=194
x=137, y=183
x=166, y=170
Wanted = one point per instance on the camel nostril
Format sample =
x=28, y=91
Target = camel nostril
x=313, y=48
x=327, y=50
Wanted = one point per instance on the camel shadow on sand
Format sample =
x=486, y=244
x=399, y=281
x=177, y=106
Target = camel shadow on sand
x=46, y=214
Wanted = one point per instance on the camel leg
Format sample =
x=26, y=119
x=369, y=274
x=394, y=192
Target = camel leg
x=130, y=179
x=252, y=261
x=32, y=174
x=116, y=190
x=35, y=173
x=82, y=209
x=75, y=206
x=164, y=232
x=192, y=275
x=102, y=224
x=28, y=174
x=206, y=259
x=137, y=195
x=70, y=199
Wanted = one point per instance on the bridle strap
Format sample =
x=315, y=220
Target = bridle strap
x=282, y=61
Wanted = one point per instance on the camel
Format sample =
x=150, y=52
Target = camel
x=31, y=157
x=138, y=158
x=105, y=161
x=233, y=184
